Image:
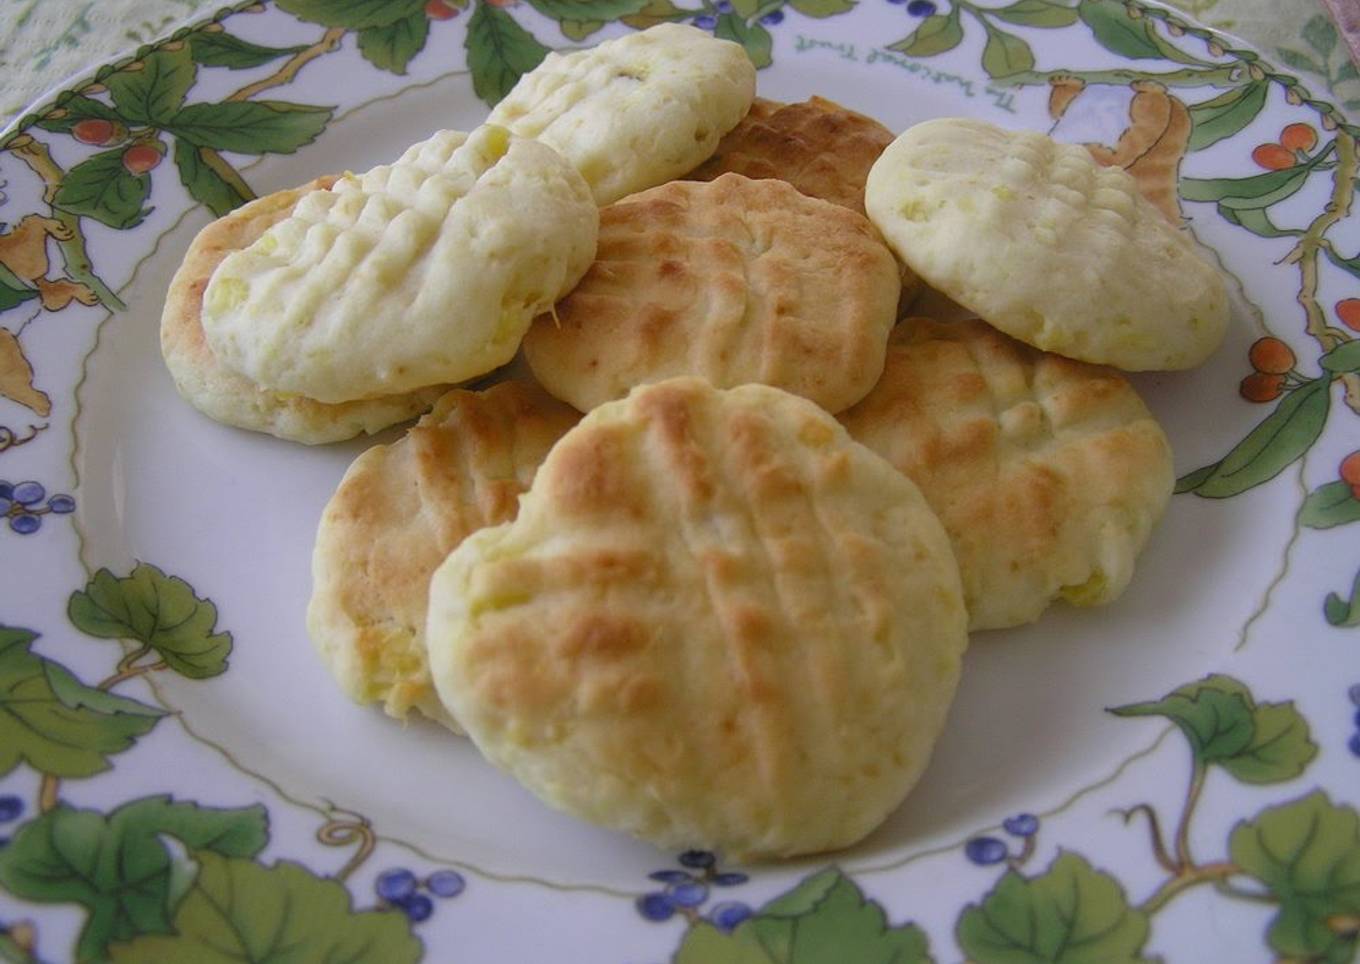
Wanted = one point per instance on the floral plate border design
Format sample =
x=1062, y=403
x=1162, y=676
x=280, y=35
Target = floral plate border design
x=160, y=877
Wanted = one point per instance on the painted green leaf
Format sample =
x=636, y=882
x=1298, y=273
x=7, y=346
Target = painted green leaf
x=239, y=910
x=55, y=723
x=1299, y=61
x=1307, y=853
x=1225, y=115
x=1343, y=613
x=822, y=8
x=250, y=126
x=153, y=94
x=12, y=295
x=755, y=38
x=499, y=52
x=100, y=187
x=391, y=46
x=117, y=866
x=937, y=33
x=1071, y=914
x=1037, y=13
x=1115, y=30
x=1344, y=358
x=1259, y=190
x=79, y=108
x=1271, y=447
x=156, y=610
x=1005, y=54
x=653, y=13
x=605, y=10
x=1257, y=221
x=1265, y=743
x=1351, y=265
x=353, y=14
x=824, y=918
x=579, y=30
x=1320, y=34
x=224, y=50
x=1330, y=505
x=1348, y=71
x=205, y=185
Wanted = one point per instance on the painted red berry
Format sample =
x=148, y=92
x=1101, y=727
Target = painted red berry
x=1274, y=157
x=1348, y=310
x=440, y=10
x=1299, y=137
x=140, y=158
x=93, y=130
x=1262, y=387
x=1272, y=356
x=1350, y=469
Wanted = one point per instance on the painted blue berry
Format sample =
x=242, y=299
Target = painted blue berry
x=670, y=876
x=985, y=850
x=1021, y=825
x=696, y=858
x=10, y=808
x=61, y=504
x=395, y=885
x=921, y=8
x=1354, y=744
x=772, y=18
x=6, y=490
x=1353, y=692
x=445, y=883
x=730, y=879
x=417, y=907
x=28, y=493
x=5, y=506
x=25, y=524
x=655, y=906
x=705, y=22
x=723, y=6
x=727, y=915
x=897, y=1
x=691, y=894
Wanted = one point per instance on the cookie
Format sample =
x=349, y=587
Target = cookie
x=734, y=280
x=635, y=111
x=1048, y=473
x=399, y=510
x=717, y=622
x=823, y=149
x=223, y=394
x=1047, y=245
x=423, y=272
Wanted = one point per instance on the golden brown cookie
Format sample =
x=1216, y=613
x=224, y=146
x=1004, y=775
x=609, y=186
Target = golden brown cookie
x=1048, y=473
x=823, y=149
x=718, y=621
x=734, y=280
x=399, y=510
x=229, y=397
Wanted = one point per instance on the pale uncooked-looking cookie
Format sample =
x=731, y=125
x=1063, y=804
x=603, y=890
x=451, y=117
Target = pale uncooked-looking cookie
x=1048, y=473
x=422, y=272
x=1047, y=245
x=735, y=280
x=399, y=510
x=637, y=110
x=823, y=149
x=229, y=397
x=718, y=621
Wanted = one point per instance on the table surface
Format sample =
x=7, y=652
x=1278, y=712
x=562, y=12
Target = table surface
x=42, y=42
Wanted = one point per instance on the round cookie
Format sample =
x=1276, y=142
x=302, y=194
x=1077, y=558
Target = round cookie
x=823, y=149
x=221, y=393
x=1047, y=473
x=399, y=510
x=718, y=621
x=422, y=272
x=1047, y=245
x=734, y=280
x=634, y=111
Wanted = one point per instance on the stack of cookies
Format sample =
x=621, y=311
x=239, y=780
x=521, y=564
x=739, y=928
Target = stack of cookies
x=726, y=606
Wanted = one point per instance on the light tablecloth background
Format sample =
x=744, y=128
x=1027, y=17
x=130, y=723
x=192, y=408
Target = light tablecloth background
x=42, y=42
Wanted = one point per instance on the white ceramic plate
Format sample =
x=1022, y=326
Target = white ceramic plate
x=1172, y=775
